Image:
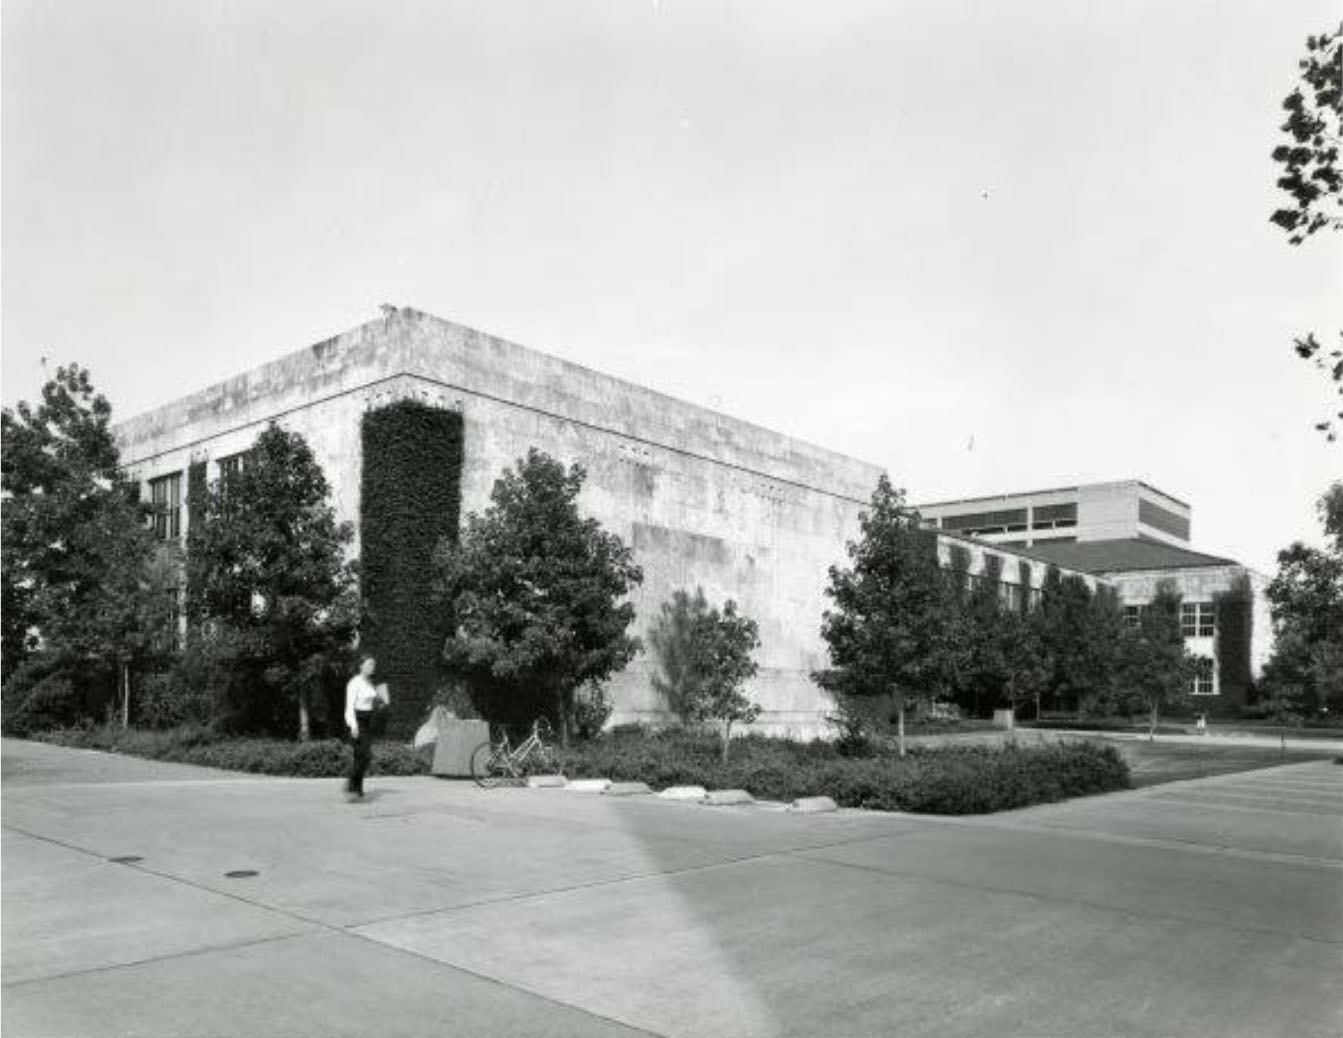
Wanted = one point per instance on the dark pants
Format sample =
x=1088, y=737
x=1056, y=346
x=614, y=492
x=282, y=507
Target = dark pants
x=363, y=752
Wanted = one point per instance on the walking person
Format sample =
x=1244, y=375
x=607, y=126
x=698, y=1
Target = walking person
x=361, y=698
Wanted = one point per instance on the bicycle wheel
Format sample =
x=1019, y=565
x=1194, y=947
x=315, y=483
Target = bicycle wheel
x=487, y=765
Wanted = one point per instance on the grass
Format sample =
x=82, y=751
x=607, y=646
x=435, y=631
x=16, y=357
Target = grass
x=1152, y=763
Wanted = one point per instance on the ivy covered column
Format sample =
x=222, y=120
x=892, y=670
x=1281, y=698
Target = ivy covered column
x=410, y=498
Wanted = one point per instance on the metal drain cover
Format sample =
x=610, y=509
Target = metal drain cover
x=126, y=859
x=241, y=873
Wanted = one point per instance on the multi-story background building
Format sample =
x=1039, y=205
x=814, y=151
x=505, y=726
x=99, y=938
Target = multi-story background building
x=1126, y=510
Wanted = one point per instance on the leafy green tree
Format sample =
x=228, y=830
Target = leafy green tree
x=895, y=629
x=1306, y=601
x=1025, y=667
x=536, y=592
x=1156, y=669
x=82, y=584
x=1077, y=632
x=706, y=657
x=1311, y=174
x=988, y=656
x=274, y=591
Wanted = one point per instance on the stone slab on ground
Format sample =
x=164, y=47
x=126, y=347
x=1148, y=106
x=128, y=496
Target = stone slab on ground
x=727, y=797
x=588, y=785
x=812, y=805
x=546, y=782
x=628, y=789
x=683, y=793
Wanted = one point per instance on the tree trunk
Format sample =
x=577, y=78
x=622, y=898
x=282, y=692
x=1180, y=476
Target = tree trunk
x=304, y=727
x=727, y=737
x=1151, y=731
x=125, y=696
x=1037, y=706
x=900, y=724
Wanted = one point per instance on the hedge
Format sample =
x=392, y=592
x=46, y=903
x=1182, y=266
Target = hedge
x=941, y=780
x=319, y=758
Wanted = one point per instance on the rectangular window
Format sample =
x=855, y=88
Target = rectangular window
x=165, y=500
x=1010, y=596
x=229, y=469
x=1032, y=598
x=1202, y=684
x=1162, y=519
x=1197, y=620
x=1133, y=615
x=1050, y=517
x=1010, y=520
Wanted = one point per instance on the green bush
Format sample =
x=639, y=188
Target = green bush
x=197, y=744
x=943, y=780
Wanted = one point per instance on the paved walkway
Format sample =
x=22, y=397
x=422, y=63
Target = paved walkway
x=147, y=900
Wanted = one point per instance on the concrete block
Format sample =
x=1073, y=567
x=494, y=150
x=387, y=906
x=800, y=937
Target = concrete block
x=545, y=781
x=453, y=746
x=627, y=789
x=683, y=793
x=597, y=785
x=1004, y=720
x=812, y=805
x=727, y=797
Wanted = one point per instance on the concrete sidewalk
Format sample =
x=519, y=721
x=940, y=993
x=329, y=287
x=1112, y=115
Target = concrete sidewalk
x=151, y=902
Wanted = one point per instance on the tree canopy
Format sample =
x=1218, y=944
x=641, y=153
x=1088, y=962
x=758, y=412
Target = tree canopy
x=273, y=593
x=536, y=595
x=1306, y=600
x=1312, y=177
x=82, y=585
x=896, y=628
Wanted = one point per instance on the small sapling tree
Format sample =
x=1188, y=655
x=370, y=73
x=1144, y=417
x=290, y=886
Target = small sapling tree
x=706, y=658
x=1156, y=669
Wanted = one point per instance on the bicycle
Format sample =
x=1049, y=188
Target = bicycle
x=496, y=762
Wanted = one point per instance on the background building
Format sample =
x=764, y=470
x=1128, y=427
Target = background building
x=1092, y=512
x=1132, y=536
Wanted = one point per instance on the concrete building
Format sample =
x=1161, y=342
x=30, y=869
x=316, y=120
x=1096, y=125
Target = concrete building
x=1131, y=536
x=704, y=499
x=1135, y=567
x=1129, y=509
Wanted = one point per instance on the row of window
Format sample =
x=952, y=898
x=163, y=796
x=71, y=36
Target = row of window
x=1011, y=520
x=165, y=496
x=1197, y=619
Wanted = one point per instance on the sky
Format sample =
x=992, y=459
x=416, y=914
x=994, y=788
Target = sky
x=990, y=246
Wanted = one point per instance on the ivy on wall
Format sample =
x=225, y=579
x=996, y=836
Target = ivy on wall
x=197, y=492
x=410, y=498
x=1234, y=632
x=1024, y=577
x=993, y=569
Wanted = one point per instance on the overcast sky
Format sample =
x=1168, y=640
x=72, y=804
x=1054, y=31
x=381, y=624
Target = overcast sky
x=988, y=245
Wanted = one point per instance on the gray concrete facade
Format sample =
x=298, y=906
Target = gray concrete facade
x=704, y=499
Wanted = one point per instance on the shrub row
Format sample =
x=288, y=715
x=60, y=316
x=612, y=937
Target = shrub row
x=941, y=780
x=319, y=758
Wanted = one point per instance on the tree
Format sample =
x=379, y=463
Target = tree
x=988, y=661
x=82, y=585
x=672, y=637
x=706, y=657
x=535, y=592
x=1311, y=175
x=274, y=592
x=1078, y=631
x=1155, y=667
x=895, y=629
x=1025, y=666
x=1306, y=602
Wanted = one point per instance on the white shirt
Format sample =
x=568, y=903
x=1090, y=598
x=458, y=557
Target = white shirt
x=360, y=694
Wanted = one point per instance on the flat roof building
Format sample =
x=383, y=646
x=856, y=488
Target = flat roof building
x=1063, y=515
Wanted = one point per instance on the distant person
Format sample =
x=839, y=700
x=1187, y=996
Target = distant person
x=361, y=698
